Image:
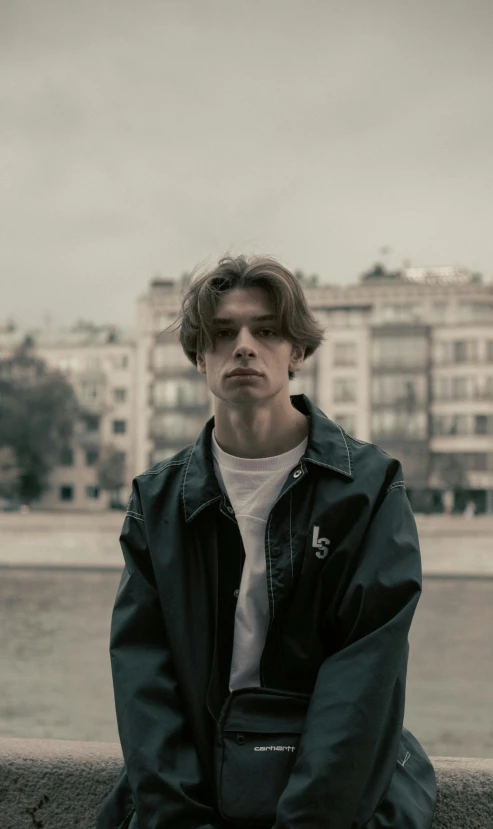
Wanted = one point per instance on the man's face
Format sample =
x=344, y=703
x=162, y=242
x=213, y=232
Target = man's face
x=242, y=341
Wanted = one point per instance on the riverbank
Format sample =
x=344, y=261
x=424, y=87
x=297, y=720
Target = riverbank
x=450, y=545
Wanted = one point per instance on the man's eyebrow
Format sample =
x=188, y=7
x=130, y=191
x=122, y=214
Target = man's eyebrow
x=227, y=321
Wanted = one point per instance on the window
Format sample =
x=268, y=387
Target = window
x=167, y=355
x=474, y=311
x=176, y=427
x=399, y=389
x=458, y=351
x=479, y=461
x=120, y=395
x=399, y=351
x=486, y=390
x=66, y=457
x=121, y=457
x=344, y=354
x=119, y=361
x=176, y=393
x=453, y=424
x=483, y=425
x=345, y=389
x=92, y=492
x=92, y=424
x=460, y=387
x=467, y=461
x=119, y=427
x=92, y=457
x=347, y=421
x=66, y=493
x=440, y=311
x=89, y=392
x=454, y=388
x=441, y=388
x=401, y=313
x=399, y=424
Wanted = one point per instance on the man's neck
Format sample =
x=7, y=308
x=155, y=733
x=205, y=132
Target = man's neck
x=259, y=432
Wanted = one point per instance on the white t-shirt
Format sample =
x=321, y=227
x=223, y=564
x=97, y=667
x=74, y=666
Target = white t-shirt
x=252, y=485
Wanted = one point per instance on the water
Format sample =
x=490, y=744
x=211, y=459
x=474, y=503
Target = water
x=56, y=680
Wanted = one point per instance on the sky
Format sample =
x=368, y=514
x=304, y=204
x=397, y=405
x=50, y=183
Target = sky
x=149, y=137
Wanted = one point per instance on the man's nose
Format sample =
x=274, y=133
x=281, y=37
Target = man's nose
x=245, y=343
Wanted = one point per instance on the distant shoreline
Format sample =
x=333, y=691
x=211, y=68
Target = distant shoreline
x=455, y=547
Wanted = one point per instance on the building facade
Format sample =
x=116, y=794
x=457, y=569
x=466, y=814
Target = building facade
x=99, y=362
x=406, y=363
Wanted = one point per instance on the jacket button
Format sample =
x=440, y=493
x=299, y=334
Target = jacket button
x=297, y=473
x=230, y=509
x=236, y=594
x=275, y=552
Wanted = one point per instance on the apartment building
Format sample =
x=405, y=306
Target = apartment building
x=99, y=362
x=400, y=381
x=407, y=363
x=396, y=358
x=427, y=394
x=461, y=440
x=172, y=398
x=342, y=388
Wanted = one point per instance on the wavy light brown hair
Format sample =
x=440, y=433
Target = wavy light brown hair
x=297, y=324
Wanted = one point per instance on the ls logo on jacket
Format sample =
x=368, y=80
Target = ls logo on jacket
x=321, y=544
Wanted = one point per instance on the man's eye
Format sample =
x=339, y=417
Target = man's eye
x=227, y=331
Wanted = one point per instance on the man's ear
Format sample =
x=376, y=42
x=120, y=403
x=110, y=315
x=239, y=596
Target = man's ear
x=201, y=364
x=297, y=357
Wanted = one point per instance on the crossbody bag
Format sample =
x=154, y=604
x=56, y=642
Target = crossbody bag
x=257, y=738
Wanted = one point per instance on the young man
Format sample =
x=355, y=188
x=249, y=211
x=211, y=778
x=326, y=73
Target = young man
x=275, y=552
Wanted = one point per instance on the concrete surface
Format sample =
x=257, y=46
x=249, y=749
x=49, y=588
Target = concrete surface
x=55, y=784
x=450, y=544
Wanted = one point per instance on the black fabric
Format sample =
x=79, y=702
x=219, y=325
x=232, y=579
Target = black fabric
x=339, y=620
x=231, y=559
x=257, y=737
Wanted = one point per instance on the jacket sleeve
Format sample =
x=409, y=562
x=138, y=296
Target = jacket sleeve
x=161, y=761
x=349, y=746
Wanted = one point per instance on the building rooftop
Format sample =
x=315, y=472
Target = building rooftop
x=82, y=334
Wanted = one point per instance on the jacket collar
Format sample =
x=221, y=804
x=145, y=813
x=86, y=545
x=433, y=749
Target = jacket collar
x=327, y=448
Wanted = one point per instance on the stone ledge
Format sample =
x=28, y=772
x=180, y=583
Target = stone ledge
x=58, y=784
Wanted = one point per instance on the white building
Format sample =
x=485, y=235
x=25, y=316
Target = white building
x=392, y=344
x=99, y=362
x=407, y=362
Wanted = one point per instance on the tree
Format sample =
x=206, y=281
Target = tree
x=310, y=281
x=452, y=471
x=38, y=410
x=379, y=271
x=111, y=472
x=10, y=473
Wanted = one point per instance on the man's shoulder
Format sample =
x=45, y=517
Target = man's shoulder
x=370, y=461
x=165, y=467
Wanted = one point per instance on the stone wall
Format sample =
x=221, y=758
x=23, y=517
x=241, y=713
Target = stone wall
x=58, y=784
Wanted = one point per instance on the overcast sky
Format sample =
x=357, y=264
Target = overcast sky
x=141, y=138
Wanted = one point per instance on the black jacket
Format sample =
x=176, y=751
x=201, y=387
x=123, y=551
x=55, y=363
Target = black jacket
x=344, y=578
